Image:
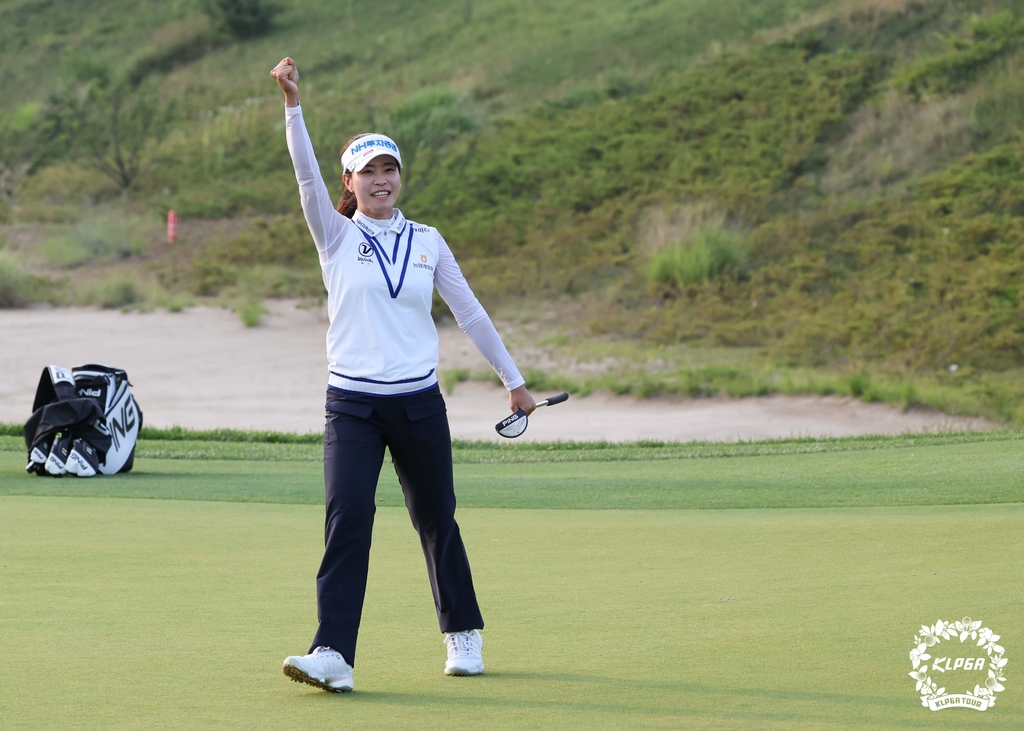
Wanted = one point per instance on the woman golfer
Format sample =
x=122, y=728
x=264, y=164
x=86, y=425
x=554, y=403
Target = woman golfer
x=380, y=270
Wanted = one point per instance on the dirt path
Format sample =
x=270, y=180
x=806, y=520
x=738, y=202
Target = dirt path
x=202, y=369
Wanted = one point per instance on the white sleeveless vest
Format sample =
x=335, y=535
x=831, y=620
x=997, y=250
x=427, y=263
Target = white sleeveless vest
x=382, y=339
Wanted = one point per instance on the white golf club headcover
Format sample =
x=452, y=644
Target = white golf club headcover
x=513, y=426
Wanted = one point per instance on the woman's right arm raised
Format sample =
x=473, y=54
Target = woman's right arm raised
x=325, y=224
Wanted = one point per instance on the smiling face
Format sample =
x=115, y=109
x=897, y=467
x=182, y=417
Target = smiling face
x=376, y=187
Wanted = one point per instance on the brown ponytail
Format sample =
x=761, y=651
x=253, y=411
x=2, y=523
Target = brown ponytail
x=347, y=203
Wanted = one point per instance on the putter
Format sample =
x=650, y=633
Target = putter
x=515, y=425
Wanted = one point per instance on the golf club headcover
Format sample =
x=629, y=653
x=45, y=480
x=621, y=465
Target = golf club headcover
x=83, y=460
x=37, y=457
x=56, y=462
x=512, y=426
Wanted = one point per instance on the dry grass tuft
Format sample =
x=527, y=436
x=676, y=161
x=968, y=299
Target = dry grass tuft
x=665, y=226
x=898, y=139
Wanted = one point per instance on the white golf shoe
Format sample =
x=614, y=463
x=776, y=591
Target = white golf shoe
x=324, y=668
x=465, y=655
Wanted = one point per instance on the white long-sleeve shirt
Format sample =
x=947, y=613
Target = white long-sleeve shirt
x=380, y=277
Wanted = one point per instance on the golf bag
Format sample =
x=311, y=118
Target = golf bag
x=87, y=413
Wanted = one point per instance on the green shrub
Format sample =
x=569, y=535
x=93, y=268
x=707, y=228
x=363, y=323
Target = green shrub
x=242, y=19
x=251, y=311
x=708, y=253
x=1000, y=110
x=550, y=196
x=538, y=380
x=648, y=387
x=272, y=258
x=423, y=123
x=208, y=278
x=984, y=39
x=451, y=378
x=920, y=282
x=860, y=383
x=120, y=294
x=487, y=376
x=113, y=293
x=283, y=240
x=15, y=285
x=99, y=239
x=177, y=43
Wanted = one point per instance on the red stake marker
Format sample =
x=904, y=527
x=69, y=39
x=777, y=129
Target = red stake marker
x=172, y=226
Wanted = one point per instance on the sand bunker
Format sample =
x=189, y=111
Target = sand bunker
x=202, y=369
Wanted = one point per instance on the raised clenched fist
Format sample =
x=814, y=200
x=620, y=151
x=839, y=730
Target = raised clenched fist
x=287, y=77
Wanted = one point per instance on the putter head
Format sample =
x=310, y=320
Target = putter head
x=513, y=426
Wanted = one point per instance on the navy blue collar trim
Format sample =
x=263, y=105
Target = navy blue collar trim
x=382, y=257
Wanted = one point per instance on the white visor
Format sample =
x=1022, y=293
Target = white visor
x=365, y=149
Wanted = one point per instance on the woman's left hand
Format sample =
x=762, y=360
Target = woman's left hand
x=520, y=398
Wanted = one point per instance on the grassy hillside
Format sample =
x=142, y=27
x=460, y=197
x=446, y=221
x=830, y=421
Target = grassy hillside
x=362, y=67
x=924, y=275
x=836, y=186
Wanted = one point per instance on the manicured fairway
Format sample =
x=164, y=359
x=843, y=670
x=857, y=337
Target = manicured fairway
x=176, y=613
x=937, y=474
x=124, y=614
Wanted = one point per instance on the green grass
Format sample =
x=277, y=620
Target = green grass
x=15, y=285
x=231, y=444
x=618, y=592
x=102, y=238
x=926, y=470
x=692, y=262
x=127, y=614
x=967, y=391
x=251, y=311
x=522, y=52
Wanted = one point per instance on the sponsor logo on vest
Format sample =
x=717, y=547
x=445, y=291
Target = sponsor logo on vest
x=985, y=672
x=365, y=254
x=423, y=258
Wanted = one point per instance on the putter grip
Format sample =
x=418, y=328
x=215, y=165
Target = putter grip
x=557, y=399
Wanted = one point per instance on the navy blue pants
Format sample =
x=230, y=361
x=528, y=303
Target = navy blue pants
x=415, y=430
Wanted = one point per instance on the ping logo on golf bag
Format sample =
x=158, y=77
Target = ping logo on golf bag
x=120, y=428
x=94, y=392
